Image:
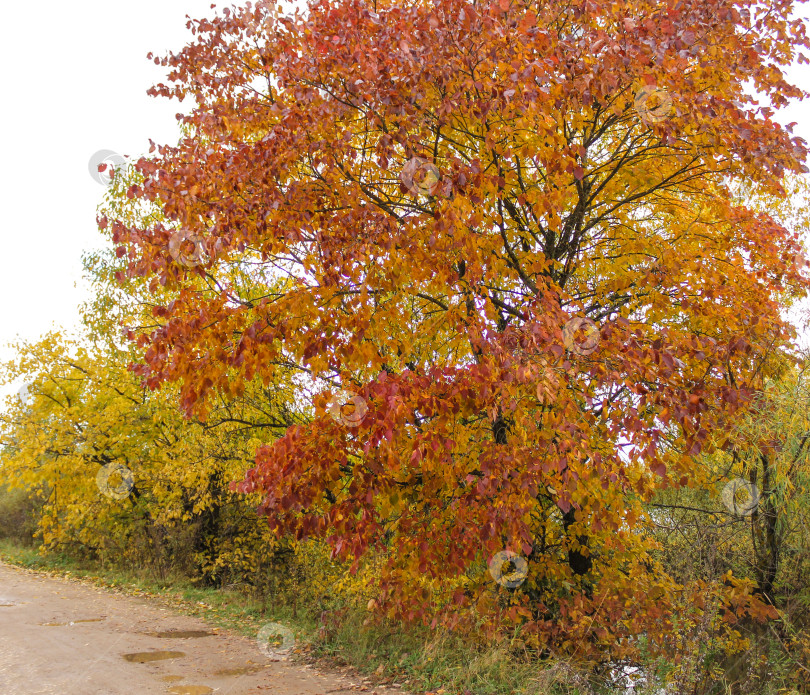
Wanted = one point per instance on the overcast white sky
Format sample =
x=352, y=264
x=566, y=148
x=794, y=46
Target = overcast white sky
x=75, y=79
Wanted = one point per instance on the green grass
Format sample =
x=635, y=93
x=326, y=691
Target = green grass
x=218, y=607
x=420, y=660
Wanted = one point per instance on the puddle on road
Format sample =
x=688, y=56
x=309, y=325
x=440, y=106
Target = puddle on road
x=180, y=634
x=242, y=671
x=73, y=622
x=171, y=679
x=144, y=657
x=5, y=602
x=191, y=690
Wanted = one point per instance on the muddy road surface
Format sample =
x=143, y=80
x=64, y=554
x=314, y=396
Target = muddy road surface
x=62, y=637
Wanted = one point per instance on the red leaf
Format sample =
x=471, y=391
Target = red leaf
x=529, y=20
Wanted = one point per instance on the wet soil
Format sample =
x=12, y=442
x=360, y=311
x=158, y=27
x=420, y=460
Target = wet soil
x=64, y=637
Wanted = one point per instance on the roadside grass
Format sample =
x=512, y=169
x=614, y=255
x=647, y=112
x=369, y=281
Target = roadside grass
x=419, y=660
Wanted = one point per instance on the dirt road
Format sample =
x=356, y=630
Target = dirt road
x=62, y=637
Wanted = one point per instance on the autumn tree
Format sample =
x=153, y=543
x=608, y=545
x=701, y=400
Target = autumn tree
x=501, y=235
x=120, y=475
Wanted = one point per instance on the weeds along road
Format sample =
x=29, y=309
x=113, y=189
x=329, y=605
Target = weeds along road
x=63, y=637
